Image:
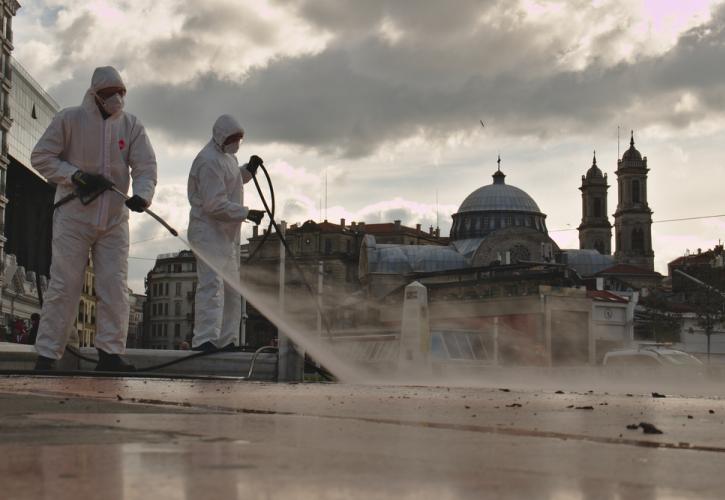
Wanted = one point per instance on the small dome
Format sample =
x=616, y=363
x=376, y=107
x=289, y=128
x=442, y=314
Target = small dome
x=632, y=154
x=594, y=172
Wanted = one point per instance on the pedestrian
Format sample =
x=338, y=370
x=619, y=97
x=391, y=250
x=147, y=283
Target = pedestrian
x=216, y=195
x=34, y=322
x=83, y=149
x=20, y=333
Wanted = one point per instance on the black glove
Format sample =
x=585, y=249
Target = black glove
x=136, y=203
x=89, y=183
x=254, y=163
x=255, y=216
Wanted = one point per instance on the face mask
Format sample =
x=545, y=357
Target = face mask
x=113, y=104
x=231, y=148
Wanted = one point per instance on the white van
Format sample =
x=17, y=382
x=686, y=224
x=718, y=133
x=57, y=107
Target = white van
x=654, y=355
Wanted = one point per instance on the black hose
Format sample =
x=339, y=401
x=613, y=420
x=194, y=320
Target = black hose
x=287, y=248
x=154, y=367
x=271, y=214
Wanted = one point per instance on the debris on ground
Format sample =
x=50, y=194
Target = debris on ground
x=658, y=395
x=559, y=392
x=648, y=428
x=584, y=408
x=711, y=411
x=505, y=390
x=513, y=405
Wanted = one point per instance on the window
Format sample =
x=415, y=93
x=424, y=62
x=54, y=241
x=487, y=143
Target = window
x=597, y=207
x=166, y=289
x=638, y=239
x=178, y=289
x=166, y=329
x=328, y=247
x=599, y=246
x=177, y=308
x=166, y=308
x=177, y=330
x=635, y=191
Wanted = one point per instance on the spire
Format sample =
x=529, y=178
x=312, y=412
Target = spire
x=594, y=161
x=631, y=141
x=498, y=176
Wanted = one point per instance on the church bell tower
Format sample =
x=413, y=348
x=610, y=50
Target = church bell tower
x=595, y=231
x=633, y=218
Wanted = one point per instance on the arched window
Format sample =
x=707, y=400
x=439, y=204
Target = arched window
x=599, y=246
x=597, y=207
x=635, y=191
x=638, y=239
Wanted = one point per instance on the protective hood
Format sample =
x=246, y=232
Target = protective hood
x=224, y=127
x=103, y=77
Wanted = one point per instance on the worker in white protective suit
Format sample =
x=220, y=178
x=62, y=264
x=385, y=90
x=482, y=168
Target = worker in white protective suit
x=83, y=149
x=216, y=195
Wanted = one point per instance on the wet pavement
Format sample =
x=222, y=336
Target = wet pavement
x=136, y=438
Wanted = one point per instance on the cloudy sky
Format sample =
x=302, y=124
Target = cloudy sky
x=383, y=99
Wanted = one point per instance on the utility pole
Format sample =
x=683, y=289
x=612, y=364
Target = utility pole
x=320, y=274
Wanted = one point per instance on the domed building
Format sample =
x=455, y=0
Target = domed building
x=496, y=224
x=501, y=223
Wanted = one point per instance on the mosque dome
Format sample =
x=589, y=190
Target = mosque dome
x=496, y=206
x=498, y=196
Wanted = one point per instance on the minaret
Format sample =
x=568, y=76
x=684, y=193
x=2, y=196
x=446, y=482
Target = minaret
x=595, y=231
x=633, y=218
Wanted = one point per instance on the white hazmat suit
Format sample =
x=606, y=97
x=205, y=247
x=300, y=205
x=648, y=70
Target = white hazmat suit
x=216, y=195
x=79, y=138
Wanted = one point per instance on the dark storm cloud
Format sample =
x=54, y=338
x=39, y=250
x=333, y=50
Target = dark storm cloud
x=446, y=71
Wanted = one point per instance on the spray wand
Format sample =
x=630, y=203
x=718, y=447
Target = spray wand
x=148, y=211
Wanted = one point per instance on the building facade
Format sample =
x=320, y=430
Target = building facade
x=595, y=231
x=8, y=9
x=135, y=319
x=85, y=323
x=633, y=218
x=168, y=311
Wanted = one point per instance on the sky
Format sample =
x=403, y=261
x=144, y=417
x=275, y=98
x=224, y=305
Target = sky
x=369, y=111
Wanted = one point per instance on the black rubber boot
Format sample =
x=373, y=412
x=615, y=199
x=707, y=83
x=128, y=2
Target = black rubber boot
x=43, y=364
x=206, y=347
x=112, y=363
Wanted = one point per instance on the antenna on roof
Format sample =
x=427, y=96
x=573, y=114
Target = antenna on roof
x=437, y=214
x=618, y=142
x=325, y=193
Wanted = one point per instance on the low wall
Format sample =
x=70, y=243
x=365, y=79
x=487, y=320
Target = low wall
x=229, y=364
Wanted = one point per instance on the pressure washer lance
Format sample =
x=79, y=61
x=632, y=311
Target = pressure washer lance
x=148, y=211
x=87, y=197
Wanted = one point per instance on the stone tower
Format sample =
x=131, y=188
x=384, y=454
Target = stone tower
x=595, y=231
x=633, y=218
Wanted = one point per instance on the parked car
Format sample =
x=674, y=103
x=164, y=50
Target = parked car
x=650, y=355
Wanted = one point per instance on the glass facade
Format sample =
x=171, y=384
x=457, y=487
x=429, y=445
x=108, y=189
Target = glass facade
x=31, y=110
